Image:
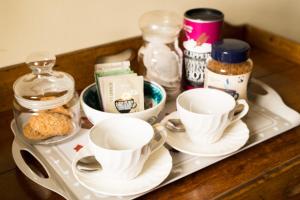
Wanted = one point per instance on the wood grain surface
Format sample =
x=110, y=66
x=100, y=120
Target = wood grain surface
x=270, y=170
x=278, y=45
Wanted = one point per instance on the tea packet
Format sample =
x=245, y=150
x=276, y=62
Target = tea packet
x=110, y=69
x=122, y=93
x=101, y=85
x=113, y=65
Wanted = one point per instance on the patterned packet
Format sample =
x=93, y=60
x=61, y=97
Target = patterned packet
x=123, y=93
x=111, y=66
x=110, y=69
x=113, y=72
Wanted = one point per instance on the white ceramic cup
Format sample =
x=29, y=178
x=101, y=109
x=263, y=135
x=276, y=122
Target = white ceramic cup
x=206, y=113
x=123, y=144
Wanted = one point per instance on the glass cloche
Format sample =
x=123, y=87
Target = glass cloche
x=46, y=106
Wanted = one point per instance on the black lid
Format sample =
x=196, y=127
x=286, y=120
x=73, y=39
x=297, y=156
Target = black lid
x=230, y=51
x=204, y=14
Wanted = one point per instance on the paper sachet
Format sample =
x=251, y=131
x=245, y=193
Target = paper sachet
x=110, y=69
x=122, y=94
x=112, y=66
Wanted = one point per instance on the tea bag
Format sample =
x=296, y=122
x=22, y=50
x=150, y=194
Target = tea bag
x=112, y=66
x=110, y=69
x=114, y=72
x=101, y=84
x=122, y=93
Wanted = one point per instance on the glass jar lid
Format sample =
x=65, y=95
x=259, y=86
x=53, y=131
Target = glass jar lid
x=160, y=26
x=230, y=51
x=43, y=88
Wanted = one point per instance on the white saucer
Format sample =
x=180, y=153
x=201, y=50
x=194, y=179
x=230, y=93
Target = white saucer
x=235, y=137
x=155, y=171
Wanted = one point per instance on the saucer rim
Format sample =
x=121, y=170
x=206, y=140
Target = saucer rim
x=162, y=149
x=208, y=155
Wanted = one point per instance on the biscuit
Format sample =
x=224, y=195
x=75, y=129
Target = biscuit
x=45, y=125
x=59, y=109
x=49, y=123
x=32, y=134
x=47, y=98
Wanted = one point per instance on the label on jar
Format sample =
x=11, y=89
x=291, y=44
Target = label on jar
x=235, y=85
x=198, y=37
x=195, y=64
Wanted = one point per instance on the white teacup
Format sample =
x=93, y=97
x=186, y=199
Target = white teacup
x=123, y=144
x=206, y=113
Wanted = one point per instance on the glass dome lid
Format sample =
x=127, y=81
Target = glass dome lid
x=160, y=23
x=43, y=88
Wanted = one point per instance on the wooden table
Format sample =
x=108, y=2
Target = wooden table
x=270, y=170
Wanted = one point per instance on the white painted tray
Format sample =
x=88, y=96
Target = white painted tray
x=268, y=117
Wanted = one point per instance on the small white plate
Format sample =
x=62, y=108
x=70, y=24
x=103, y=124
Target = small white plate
x=155, y=171
x=235, y=137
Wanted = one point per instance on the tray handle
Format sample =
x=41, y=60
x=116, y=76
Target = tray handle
x=271, y=100
x=48, y=182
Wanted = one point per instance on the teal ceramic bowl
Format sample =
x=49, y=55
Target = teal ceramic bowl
x=154, y=102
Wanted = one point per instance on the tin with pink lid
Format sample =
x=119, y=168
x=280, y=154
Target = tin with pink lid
x=202, y=27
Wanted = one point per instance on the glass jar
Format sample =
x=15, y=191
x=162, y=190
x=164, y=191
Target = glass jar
x=160, y=55
x=46, y=106
x=229, y=68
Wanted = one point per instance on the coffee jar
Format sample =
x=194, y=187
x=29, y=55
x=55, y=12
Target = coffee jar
x=46, y=106
x=229, y=67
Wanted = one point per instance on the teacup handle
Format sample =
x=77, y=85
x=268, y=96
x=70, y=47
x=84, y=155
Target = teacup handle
x=134, y=105
x=242, y=113
x=160, y=137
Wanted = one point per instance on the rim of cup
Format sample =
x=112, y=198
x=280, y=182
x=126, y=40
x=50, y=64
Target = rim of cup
x=111, y=122
x=197, y=90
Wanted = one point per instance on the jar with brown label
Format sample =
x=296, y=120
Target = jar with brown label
x=229, y=67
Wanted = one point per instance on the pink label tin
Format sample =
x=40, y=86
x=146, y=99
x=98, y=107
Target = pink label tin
x=202, y=27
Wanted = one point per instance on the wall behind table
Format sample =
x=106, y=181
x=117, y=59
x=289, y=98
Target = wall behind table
x=61, y=26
